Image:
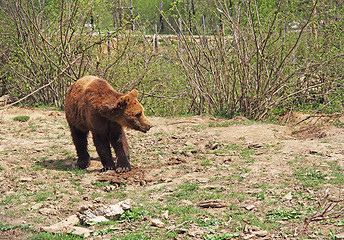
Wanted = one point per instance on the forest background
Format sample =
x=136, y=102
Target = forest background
x=258, y=59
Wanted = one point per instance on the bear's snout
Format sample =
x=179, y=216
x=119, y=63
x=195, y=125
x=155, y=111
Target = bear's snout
x=145, y=128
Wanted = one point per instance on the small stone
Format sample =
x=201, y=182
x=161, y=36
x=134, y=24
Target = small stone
x=94, y=213
x=97, y=200
x=255, y=145
x=187, y=154
x=249, y=207
x=180, y=230
x=165, y=215
x=187, y=202
x=157, y=223
x=217, y=203
x=339, y=236
x=254, y=228
x=63, y=225
x=202, y=180
x=212, y=146
x=171, y=228
x=37, y=206
x=249, y=236
x=47, y=211
x=25, y=179
x=289, y=196
x=110, y=188
x=80, y=231
x=261, y=233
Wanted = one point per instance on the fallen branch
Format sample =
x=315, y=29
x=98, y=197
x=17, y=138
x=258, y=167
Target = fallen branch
x=325, y=211
x=44, y=86
x=313, y=115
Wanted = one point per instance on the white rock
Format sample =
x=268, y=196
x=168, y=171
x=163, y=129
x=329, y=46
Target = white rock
x=96, y=213
x=249, y=207
x=25, y=179
x=36, y=206
x=288, y=196
x=157, y=223
x=63, y=225
x=165, y=215
x=339, y=236
x=187, y=202
x=261, y=233
x=48, y=211
x=248, y=236
x=80, y=231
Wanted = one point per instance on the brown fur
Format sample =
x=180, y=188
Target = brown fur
x=93, y=105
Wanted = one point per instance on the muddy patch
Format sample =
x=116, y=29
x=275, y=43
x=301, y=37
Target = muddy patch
x=309, y=132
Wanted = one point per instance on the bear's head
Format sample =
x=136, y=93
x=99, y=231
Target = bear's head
x=128, y=112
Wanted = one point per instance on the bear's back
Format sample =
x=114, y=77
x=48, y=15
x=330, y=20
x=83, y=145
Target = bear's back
x=83, y=97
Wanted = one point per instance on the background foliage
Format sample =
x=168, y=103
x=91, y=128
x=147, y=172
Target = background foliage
x=224, y=57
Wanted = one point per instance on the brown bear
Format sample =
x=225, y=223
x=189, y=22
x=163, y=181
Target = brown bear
x=93, y=105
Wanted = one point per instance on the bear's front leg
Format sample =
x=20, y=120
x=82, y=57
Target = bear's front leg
x=104, y=151
x=120, y=144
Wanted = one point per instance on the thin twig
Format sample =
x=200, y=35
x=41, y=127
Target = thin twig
x=313, y=115
x=40, y=88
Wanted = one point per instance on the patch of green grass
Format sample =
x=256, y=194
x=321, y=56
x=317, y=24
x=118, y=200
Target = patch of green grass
x=6, y=226
x=76, y=171
x=261, y=195
x=208, y=221
x=163, y=134
x=239, y=195
x=247, y=152
x=101, y=184
x=187, y=190
x=221, y=236
x=43, y=195
x=37, y=167
x=32, y=127
x=309, y=177
x=282, y=214
x=230, y=123
x=206, y=163
x=340, y=223
x=14, y=198
x=39, y=183
x=337, y=175
x=198, y=128
x=104, y=231
x=57, y=236
x=338, y=124
x=2, y=168
x=134, y=214
x=232, y=146
x=133, y=236
x=119, y=193
x=21, y=118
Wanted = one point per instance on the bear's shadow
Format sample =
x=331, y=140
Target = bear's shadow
x=67, y=164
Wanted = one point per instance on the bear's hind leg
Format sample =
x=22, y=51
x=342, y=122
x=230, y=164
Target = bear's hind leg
x=104, y=151
x=80, y=142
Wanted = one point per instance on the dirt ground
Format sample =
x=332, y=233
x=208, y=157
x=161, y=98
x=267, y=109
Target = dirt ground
x=265, y=172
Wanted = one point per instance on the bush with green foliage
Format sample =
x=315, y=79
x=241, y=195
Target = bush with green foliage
x=228, y=57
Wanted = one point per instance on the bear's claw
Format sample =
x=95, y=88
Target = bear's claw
x=104, y=169
x=83, y=165
x=122, y=169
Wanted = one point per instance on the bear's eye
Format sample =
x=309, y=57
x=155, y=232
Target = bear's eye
x=138, y=115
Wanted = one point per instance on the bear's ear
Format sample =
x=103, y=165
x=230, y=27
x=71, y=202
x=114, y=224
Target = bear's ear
x=133, y=94
x=122, y=102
